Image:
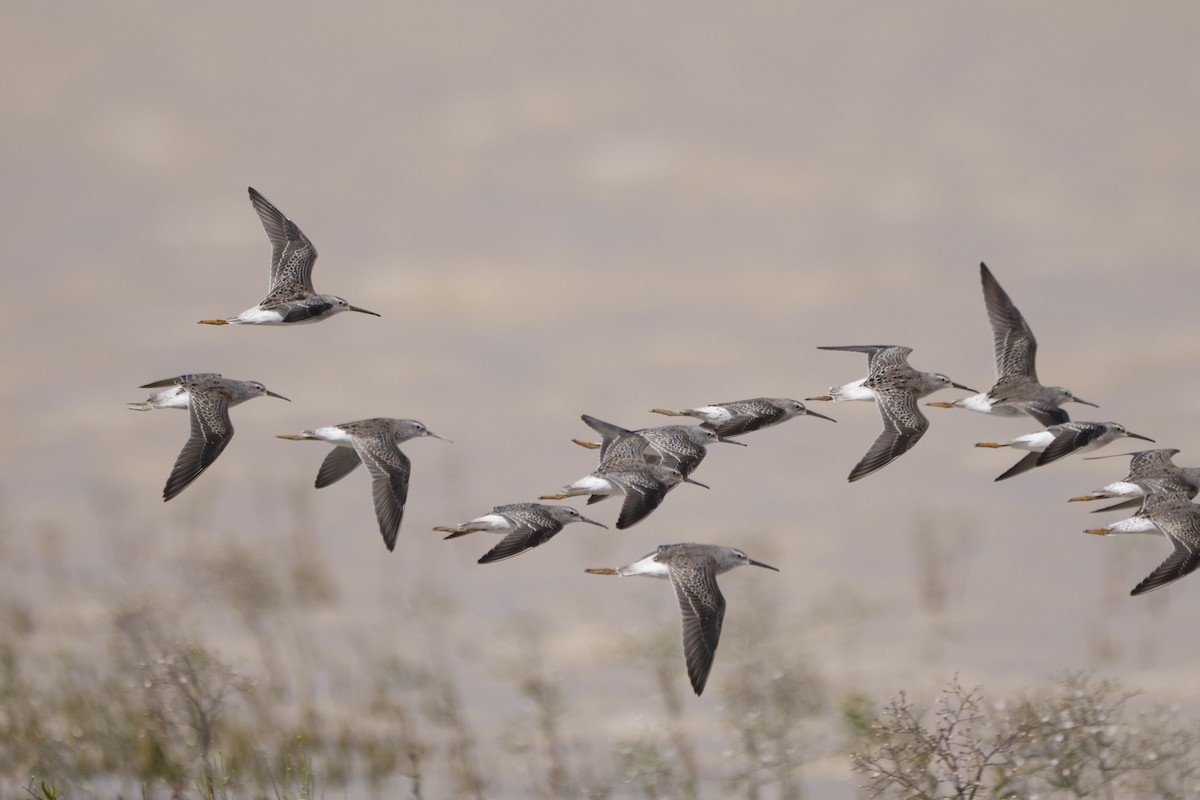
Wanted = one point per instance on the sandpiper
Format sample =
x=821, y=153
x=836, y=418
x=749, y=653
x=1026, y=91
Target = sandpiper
x=681, y=447
x=643, y=485
x=693, y=570
x=895, y=387
x=1058, y=441
x=208, y=398
x=1017, y=390
x=743, y=416
x=524, y=525
x=1178, y=518
x=291, y=299
x=1150, y=472
x=374, y=442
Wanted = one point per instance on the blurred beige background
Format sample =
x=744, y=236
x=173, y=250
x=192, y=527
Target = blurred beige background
x=562, y=209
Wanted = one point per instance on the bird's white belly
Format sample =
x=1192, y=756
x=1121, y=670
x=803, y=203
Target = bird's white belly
x=985, y=404
x=333, y=435
x=1123, y=489
x=853, y=391
x=491, y=522
x=175, y=397
x=1133, y=525
x=715, y=414
x=647, y=567
x=591, y=484
x=259, y=316
x=1033, y=442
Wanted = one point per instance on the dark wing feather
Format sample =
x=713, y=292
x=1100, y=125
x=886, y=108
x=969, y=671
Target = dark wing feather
x=1122, y=506
x=1019, y=391
x=903, y=427
x=1047, y=415
x=211, y=430
x=339, y=463
x=389, y=481
x=702, y=608
x=748, y=416
x=299, y=312
x=1024, y=465
x=1182, y=561
x=1012, y=337
x=1068, y=440
x=292, y=254
x=518, y=541
x=1181, y=524
x=643, y=494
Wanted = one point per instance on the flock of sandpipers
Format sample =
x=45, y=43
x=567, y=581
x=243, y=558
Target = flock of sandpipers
x=643, y=465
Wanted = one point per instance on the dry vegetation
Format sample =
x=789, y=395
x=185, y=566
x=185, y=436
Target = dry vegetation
x=140, y=702
x=1076, y=738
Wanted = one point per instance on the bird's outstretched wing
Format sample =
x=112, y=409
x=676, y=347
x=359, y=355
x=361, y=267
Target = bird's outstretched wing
x=292, y=254
x=389, y=470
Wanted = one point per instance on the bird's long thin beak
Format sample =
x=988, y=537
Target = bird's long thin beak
x=582, y=518
x=964, y=388
x=732, y=441
x=811, y=413
x=697, y=483
x=1138, y=436
x=362, y=311
x=272, y=394
x=760, y=564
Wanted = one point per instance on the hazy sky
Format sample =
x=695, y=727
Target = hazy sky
x=562, y=209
